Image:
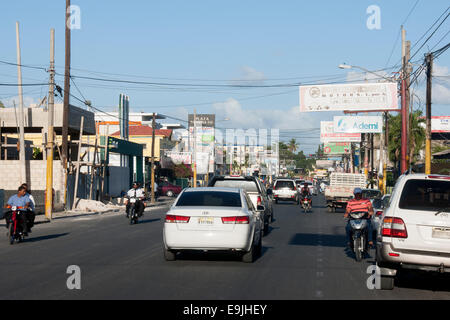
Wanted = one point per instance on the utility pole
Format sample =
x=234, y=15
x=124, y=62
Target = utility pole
x=153, y=160
x=408, y=99
x=50, y=131
x=23, y=172
x=371, y=160
x=404, y=139
x=65, y=126
x=429, y=61
x=195, y=149
x=366, y=154
x=386, y=151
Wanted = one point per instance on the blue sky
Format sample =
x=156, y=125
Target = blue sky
x=252, y=41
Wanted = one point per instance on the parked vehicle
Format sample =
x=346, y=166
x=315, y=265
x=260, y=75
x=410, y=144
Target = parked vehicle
x=256, y=190
x=359, y=234
x=341, y=189
x=214, y=219
x=16, y=232
x=285, y=190
x=168, y=189
x=415, y=229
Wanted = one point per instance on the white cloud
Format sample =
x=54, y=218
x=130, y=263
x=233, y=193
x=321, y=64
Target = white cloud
x=249, y=76
x=27, y=101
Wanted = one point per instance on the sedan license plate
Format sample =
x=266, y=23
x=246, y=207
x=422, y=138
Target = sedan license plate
x=441, y=233
x=206, y=220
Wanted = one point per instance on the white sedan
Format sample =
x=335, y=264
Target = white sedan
x=213, y=219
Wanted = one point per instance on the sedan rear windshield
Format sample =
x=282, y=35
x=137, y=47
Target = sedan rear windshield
x=284, y=184
x=428, y=195
x=210, y=198
x=247, y=185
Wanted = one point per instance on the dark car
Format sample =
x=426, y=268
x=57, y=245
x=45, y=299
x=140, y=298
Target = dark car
x=168, y=189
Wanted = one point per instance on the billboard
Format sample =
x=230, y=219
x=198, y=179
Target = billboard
x=324, y=164
x=440, y=124
x=179, y=157
x=359, y=124
x=337, y=148
x=328, y=135
x=352, y=96
x=203, y=134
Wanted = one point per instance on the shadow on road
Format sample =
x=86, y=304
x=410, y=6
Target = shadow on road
x=215, y=255
x=46, y=237
x=423, y=281
x=148, y=221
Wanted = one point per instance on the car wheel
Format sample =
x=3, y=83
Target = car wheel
x=249, y=257
x=169, y=255
x=271, y=217
x=276, y=201
x=266, y=228
x=386, y=283
x=169, y=193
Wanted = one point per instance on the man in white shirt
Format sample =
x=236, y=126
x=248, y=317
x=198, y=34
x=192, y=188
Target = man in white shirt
x=136, y=192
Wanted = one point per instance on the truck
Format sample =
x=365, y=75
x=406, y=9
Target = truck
x=341, y=189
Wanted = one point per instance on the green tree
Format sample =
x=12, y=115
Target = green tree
x=293, y=145
x=2, y=105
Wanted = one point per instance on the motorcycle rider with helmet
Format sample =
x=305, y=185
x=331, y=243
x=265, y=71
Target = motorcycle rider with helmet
x=359, y=204
x=135, y=192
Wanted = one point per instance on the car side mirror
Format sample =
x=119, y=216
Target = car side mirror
x=260, y=208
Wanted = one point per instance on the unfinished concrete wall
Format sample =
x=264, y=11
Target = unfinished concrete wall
x=36, y=179
x=119, y=180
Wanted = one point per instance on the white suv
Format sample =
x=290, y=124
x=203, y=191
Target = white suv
x=415, y=229
x=285, y=190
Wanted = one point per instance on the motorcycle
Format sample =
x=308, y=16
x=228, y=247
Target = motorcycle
x=133, y=215
x=359, y=234
x=306, y=204
x=16, y=232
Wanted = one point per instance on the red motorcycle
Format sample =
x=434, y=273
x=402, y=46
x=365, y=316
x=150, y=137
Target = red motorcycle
x=14, y=219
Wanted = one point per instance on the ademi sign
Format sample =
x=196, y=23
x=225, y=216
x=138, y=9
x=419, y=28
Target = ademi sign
x=357, y=124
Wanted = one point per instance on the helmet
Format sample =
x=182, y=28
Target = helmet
x=136, y=183
x=357, y=191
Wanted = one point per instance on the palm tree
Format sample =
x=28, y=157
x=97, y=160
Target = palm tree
x=293, y=145
x=416, y=137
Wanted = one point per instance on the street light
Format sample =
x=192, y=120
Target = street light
x=347, y=66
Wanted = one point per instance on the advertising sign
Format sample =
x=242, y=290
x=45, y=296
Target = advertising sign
x=337, y=148
x=440, y=124
x=204, y=136
x=327, y=134
x=366, y=124
x=179, y=157
x=352, y=96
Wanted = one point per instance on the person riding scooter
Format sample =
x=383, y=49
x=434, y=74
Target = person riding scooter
x=139, y=194
x=359, y=204
x=19, y=200
x=305, y=192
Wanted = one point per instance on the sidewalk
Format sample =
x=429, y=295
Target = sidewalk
x=111, y=209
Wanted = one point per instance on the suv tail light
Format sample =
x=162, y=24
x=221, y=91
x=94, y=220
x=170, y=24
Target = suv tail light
x=258, y=201
x=394, y=227
x=177, y=219
x=236, y=220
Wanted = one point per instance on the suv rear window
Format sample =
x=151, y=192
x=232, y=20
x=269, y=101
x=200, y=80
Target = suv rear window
x=247, y=185
x=371, y=194
x=284, y=184
x=428, y=195
x=210, y=198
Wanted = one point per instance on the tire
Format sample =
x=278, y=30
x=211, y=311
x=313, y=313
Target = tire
x=276, y=201
x=169, y=255
x=11, y=234
x=131, y=216
x=271, y=218
x=358, y=253
x=386, y=283
x=259, y=247
x=249, y=257
x=169, y=193
x=266, y=228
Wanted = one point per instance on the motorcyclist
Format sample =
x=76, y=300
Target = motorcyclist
x=30, y=215
x=305, y=191
x=359, y=204
x=135, y=192
x=19, y=200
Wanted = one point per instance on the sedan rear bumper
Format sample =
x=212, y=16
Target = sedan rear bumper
x=238, y=239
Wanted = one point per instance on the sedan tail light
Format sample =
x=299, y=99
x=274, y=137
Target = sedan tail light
x=236, y=220
x=177, y=219
x=394, y=227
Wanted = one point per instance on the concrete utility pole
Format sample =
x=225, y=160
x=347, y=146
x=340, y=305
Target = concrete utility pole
x=50, y=131
x=404, y=139
x=366, y=154
x=408, y=99
x=195, y=149
x=65, y=127
x=429, y=61
x=153, y=159
x=23, y=171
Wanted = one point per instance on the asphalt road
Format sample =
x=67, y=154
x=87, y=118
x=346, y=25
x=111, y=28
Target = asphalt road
x=304, y=257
